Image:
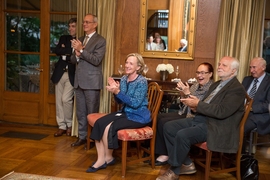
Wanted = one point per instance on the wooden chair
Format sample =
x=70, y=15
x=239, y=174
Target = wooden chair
x=206, y=162
x=91, y=118
x=253, y=137
x=139, y=135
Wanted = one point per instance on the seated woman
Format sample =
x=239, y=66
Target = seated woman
x=204, y=80
x=159, y=44
x=131, y=92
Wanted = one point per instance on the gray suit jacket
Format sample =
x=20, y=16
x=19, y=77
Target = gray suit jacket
x=223, y=115
x=88, y=74
x=260, y=113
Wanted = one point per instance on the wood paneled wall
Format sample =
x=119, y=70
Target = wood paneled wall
x=127, y=31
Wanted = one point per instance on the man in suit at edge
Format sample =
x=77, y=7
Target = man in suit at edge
x=63, y=78
x=218, y=114
x=259, y=115
x=89, y=52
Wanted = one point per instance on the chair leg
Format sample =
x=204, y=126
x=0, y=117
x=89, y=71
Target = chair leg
x=139, y=153
x=238, y=166
x=222, y=166
x=152, y=153
x=124, y=158
x=208, y=164
x=250, y=142
x=89, y=130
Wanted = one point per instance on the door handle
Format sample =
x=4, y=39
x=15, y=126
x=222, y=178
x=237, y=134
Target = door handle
x=40, y=70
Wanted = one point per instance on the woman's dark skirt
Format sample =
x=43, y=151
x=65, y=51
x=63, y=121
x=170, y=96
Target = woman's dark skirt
x=120, y=121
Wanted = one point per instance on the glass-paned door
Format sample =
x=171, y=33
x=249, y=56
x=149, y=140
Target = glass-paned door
x=22, y=45
x=31, y=31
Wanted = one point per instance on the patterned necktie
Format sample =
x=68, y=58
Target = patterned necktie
x=85, y=40
x=213, y=93
x=253, y=90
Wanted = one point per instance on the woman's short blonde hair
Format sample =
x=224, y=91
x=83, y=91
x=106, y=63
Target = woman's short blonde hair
x=140, y=61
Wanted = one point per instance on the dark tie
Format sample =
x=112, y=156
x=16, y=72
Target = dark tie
x=253, y=89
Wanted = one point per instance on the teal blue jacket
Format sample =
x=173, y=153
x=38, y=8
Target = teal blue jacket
x=133, y=97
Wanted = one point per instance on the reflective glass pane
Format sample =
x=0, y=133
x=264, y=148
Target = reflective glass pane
x=64, y=5
x=23, y=32
x=21, y=73
x=23, y=5
x=59, y=27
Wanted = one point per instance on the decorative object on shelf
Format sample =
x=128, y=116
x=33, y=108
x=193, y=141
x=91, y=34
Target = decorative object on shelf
x=145, y=70
x=192, y=80
x=164, y=75
x=120, y=70
x=164, y=70
x=177, y=72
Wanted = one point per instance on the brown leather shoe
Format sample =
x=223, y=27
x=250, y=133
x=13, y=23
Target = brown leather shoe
x=168, y=175
x=79, y=142
x=188, y=169
x=68, y=133
x=60, y=132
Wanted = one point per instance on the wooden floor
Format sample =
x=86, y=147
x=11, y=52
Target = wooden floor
x=54, y=157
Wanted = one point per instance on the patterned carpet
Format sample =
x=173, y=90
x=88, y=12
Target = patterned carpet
x=25, y=176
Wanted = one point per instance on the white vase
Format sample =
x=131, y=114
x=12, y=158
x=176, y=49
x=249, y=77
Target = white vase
x=164, y=75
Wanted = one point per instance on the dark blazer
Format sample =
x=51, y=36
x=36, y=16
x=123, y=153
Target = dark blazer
x=60, y=66
x=88, y=73
x=223, y=115
x=182, y=49
x=268, y=68
x=260, y=112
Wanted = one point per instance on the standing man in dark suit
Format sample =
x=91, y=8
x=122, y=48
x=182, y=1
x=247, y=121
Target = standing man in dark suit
x=89, y=52
x=218, y=114
x=258, y=87
x=63, y=78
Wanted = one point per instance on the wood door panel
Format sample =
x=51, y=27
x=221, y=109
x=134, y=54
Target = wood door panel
x=21, y=111
x=51, y=115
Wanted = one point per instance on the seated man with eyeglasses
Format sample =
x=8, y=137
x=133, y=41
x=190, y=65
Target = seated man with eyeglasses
x=204, y=77
x=216, y=115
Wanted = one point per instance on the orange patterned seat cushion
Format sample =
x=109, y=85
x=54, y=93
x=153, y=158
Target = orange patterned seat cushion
x=202, y=145
x=91, y=118
x=135, y=134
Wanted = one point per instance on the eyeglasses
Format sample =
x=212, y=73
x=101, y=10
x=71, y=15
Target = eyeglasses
x=201, y=72
x=87, y=22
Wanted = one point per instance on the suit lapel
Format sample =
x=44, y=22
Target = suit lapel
x=249, y=81
x=263, y=84
x=91, y=40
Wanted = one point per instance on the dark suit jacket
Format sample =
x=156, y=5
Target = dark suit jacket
x=60, y=66
x=89, y=68
x=182, y=49
x=223, y=115
x=268, y=68
x=260, y=112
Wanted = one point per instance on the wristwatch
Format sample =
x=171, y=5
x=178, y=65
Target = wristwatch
x=81, y=51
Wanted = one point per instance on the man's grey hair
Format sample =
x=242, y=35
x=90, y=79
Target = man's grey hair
x=235, y=65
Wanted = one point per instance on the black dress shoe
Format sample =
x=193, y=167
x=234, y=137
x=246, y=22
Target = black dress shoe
x=93, y=169
x=112, y=162
x=79, y=142
x=108, y=164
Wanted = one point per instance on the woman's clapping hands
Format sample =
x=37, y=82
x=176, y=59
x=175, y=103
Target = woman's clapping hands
x=113, y=86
